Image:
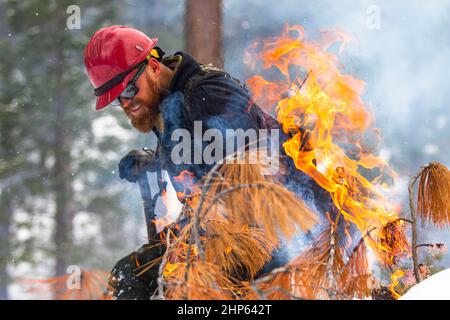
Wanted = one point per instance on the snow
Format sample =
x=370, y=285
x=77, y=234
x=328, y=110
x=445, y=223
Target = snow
x=435, y=287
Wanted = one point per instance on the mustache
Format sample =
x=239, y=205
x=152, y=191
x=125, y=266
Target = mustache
x=132, y=105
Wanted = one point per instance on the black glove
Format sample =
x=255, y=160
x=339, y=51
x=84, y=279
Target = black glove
x=127, y=281
x=135, y=162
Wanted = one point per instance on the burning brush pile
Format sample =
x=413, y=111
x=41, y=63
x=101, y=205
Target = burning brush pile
x=238, y=217
x=235, y=218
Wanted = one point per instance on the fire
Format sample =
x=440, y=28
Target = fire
x=395, y=282
x=169, y=268
x=332, y=134
x=332, y=138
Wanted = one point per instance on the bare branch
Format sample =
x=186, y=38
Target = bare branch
x=330, y=263
x=160, y=290
x=414, y=223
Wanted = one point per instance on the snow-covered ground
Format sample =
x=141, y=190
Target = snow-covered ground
x=436, y=287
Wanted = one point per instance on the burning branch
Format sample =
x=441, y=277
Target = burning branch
x=393, y=243
x=231, y=234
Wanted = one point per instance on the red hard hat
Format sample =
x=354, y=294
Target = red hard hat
x=113, y=50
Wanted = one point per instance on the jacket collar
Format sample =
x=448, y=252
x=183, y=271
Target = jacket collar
x=184, y=66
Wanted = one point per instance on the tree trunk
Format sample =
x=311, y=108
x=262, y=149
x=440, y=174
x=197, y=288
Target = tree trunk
x=203, y=31
x=6, y=213
x=64, y=204
x=62, y=176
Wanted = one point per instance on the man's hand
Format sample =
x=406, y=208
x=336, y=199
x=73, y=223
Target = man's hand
x=135, y=162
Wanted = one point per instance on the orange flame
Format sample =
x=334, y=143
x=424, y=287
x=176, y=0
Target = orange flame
x=331, y=132
x=395, y=282
x=169, y=268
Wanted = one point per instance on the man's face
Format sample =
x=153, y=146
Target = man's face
x=143, y=108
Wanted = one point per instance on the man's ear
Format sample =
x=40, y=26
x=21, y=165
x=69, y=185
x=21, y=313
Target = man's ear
x=154, y=66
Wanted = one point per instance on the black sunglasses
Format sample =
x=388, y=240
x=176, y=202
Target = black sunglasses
x=131, y=89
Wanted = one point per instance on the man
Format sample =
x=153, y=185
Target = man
x=166, y=94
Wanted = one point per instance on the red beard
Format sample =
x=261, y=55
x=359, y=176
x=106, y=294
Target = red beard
x=147, y=118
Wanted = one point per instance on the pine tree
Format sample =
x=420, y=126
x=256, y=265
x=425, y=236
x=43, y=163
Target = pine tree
x=48, y=166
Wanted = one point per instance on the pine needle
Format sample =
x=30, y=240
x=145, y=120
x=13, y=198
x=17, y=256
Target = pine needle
x=244, y=196
x=93, y=285
x=237, y=249
x=392, y=243
x=306, y=277
x=205, y=282
x=354, y=279
x=433, y=199
x=241, y=216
